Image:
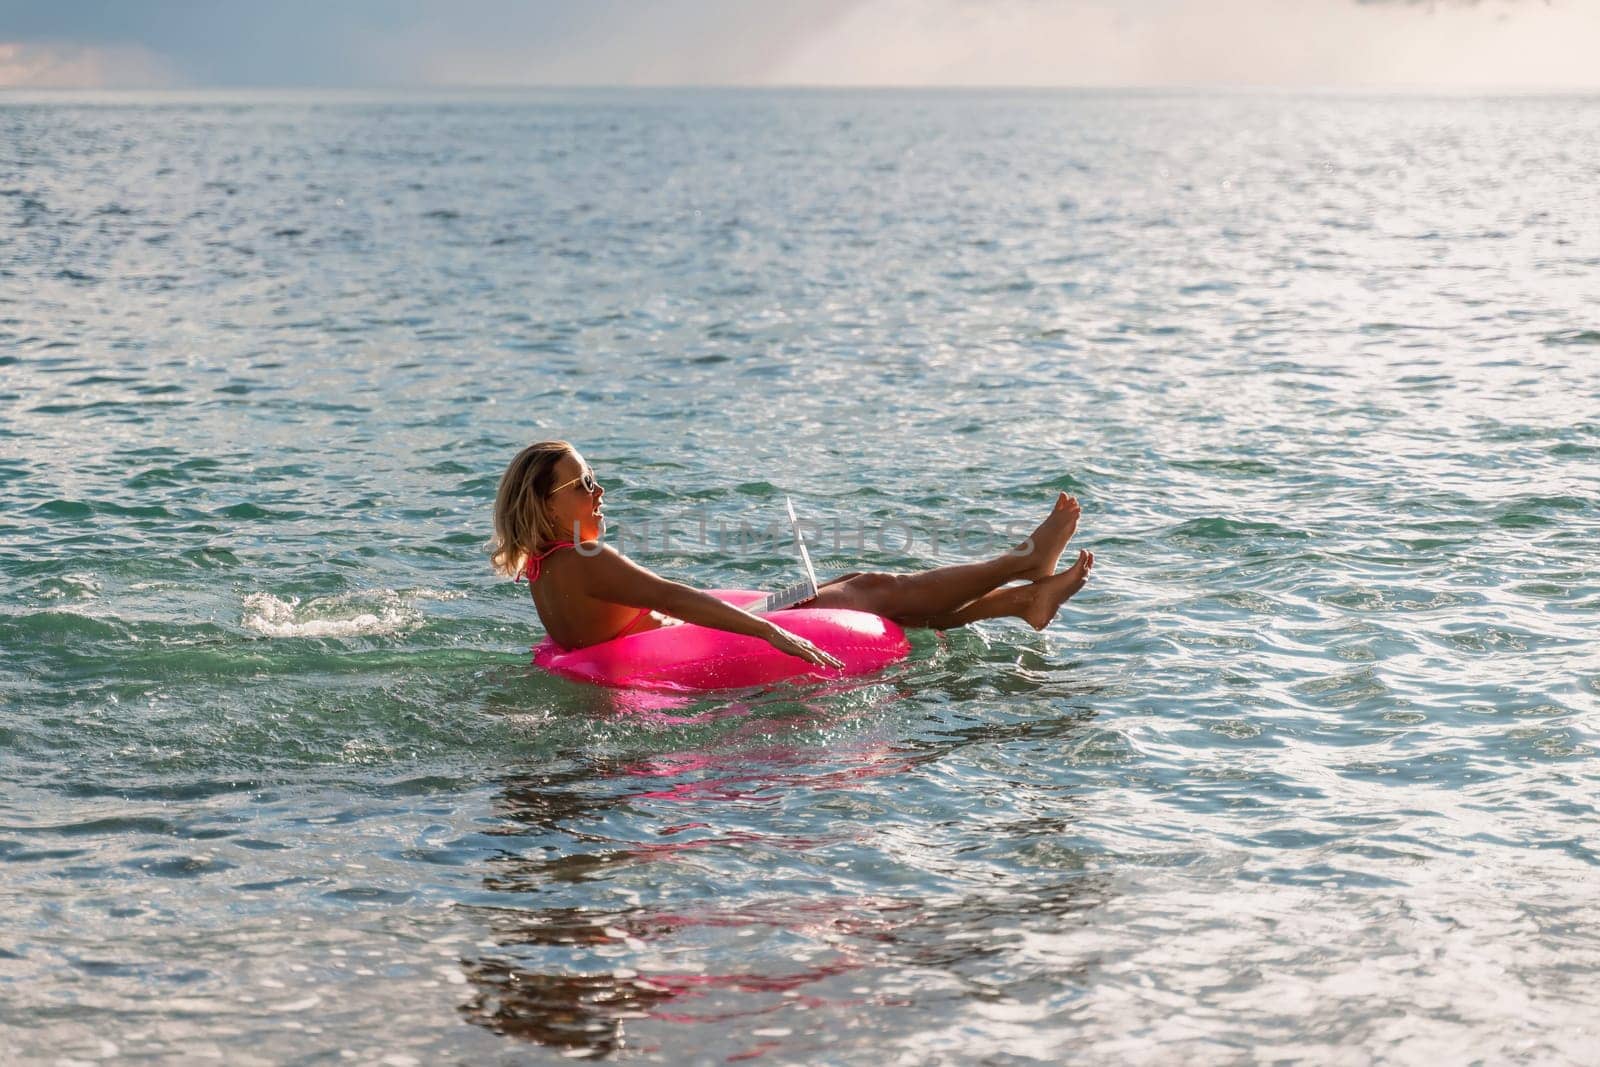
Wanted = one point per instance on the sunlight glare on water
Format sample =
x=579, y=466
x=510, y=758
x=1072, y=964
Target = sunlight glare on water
x=1308, y=769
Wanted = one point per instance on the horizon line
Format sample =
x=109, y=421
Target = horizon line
x=1221, y=87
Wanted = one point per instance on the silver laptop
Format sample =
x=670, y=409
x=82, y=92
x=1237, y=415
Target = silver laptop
x=800, y=591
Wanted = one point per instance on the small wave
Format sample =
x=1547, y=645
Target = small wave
x=71, y=586
x=379, y=612
x=1217, y=528
x=59, y=627
x=1573, y=337
x=1225, y=466
x=62, y=509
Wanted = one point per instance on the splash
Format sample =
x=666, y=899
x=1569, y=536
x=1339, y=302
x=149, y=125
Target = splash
x=365, y=613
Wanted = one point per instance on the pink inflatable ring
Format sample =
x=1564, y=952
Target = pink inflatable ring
x=689, y=657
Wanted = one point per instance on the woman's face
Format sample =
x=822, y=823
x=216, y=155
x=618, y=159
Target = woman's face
x=575, y=508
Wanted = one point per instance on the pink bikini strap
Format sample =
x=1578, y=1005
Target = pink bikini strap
x=531, y=571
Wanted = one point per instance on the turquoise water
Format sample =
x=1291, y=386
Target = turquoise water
x=1308, y=771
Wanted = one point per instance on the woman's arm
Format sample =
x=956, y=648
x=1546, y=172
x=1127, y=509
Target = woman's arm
x=609, y=575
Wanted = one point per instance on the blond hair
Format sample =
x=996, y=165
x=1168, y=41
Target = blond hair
x=522, y=523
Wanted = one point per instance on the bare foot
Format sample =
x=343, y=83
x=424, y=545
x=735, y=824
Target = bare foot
x=1046, y=595
x=1039, y=553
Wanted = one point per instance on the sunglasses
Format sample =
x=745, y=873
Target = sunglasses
x=586, y=479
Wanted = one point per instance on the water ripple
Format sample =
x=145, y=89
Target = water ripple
x=1307, y=773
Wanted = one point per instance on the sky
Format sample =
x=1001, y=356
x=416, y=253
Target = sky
x=1297, y=44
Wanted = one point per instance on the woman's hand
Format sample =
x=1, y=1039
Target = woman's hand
x=795, y=645
x=608, y=575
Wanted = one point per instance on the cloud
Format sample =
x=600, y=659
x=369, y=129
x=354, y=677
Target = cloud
x=1299, y=44
x=418, y=42
x=1289, y=43
x=71, y=66
x=615, y=42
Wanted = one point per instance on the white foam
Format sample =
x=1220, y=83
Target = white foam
x=76, y=585
x=359, y=614
x=432, y=594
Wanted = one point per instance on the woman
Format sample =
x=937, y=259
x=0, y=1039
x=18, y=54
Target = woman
x=549, y=500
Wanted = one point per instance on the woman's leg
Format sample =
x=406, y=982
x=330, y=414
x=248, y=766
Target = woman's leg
x=928, y=594
x=924, y=593
x=1036, y=603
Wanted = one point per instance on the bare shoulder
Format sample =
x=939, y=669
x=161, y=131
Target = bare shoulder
x=588, y=558
x=597, y=556
x=607, y=574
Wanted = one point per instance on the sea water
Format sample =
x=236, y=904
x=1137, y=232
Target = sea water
x=1307, y=772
